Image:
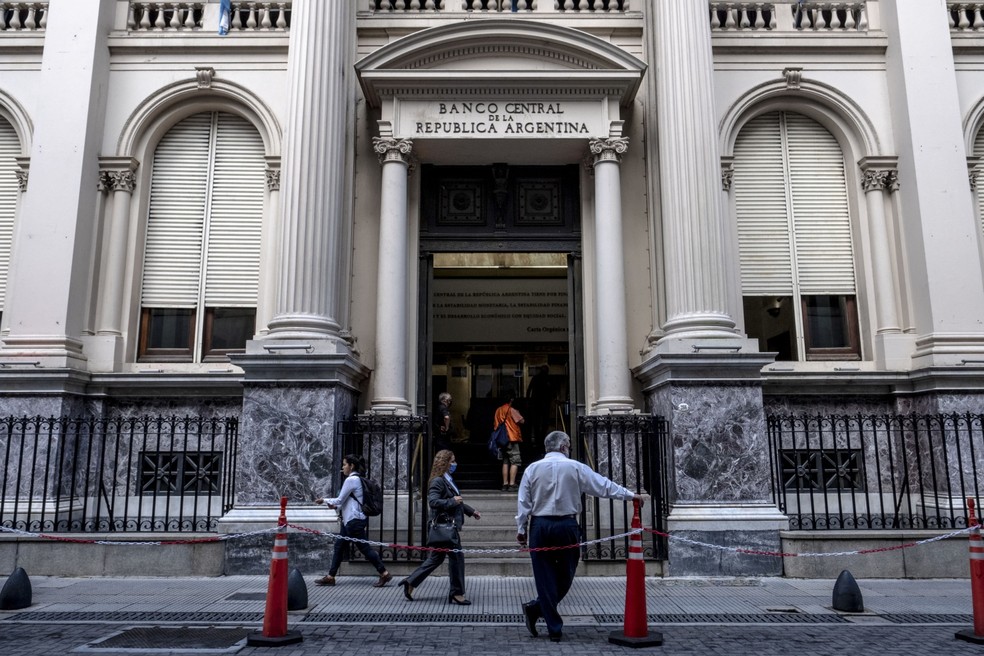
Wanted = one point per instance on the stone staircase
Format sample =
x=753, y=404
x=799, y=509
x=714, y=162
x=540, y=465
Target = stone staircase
x=497, y=530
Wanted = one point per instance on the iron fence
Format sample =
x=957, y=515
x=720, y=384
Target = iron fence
x=876, y=471
x=632, y=451
x=116, y=474
x=393, y=448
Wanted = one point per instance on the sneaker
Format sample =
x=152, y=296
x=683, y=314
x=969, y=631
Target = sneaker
x=512, y=488
x=505, y=488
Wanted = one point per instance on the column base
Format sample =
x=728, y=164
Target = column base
x=948, y=349
x=43, y=352
x=105, y=353
x=893, y=351
x=735, y=525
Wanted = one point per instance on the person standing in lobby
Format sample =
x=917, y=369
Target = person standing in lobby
x=548, y=507
x=511, y=457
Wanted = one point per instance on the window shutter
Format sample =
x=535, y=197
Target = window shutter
x=236, y=215
x=761, y=209
x=821, y=216
x=179, y=187
x=9, y=193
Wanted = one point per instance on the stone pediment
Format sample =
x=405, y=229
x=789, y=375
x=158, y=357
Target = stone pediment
x=500, y=58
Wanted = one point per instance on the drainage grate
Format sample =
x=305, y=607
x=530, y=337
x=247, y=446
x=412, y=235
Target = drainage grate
x=134, y=616
x=247, y=596
x=924, y=618
x=729, y=618
x=156, y=639
x=414, y=618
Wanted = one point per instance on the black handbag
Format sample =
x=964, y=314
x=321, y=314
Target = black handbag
x=442, y=532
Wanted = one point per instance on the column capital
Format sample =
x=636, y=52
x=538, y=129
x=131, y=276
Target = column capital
x=727, y=173
x=22, y=172
x=608, y=150
x=879, y=174
x=273, y=179
x=390, y=149
x=118, y=174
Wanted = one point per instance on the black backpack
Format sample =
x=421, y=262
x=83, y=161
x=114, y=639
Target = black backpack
x=372, y=497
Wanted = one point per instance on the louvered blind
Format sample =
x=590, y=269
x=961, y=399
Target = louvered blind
x=821, y=217
x=236, y=215
x=179, y=188
x=792, y=210
x=761, y=209
x=9, y=193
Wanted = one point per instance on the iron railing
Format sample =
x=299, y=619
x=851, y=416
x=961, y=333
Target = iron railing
x=632, y=451
x=115, y=474
x=876, y=471
x=393, y=447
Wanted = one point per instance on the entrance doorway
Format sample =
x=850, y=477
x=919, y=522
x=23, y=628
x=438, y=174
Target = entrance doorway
x=500, y=284
x=498, y=333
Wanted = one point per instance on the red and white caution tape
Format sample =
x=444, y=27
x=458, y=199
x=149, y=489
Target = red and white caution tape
x=807, y=554
x=135, y=543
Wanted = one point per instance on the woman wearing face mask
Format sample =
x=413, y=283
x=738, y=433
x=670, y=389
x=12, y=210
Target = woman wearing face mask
x=444, y=498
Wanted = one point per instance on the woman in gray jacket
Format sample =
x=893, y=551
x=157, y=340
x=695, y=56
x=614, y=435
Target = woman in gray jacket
x=444, y=498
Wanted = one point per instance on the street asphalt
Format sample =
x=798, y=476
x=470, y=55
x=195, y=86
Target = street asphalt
x=692, y=616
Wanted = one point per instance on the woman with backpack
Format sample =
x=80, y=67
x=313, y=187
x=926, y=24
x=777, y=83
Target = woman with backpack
x=447, y=508
x=354, y=522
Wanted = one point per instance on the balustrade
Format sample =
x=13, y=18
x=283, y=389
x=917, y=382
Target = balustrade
x=172, y=16
x=499, y=6
x=23, y=16
x=789, y=16
x=160, y=16
x=966, y=16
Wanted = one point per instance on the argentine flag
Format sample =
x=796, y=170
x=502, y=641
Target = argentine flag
x=225, y=17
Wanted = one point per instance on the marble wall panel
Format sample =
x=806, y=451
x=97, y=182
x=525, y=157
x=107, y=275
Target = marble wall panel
x=718, y=441
x=287, y=443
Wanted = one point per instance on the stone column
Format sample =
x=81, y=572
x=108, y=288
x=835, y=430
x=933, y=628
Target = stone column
x=119, y=178
x=51, y=254
x=614, y=378
x=697, y=303
x=269, y=264
x=942, y=255
x=304, y=376
x=315, y=250
x=118, y=181
x=390, y=372
x=700, y=373
x=875, y=181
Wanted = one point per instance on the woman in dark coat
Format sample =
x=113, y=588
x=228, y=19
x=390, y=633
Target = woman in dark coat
x=444, y=498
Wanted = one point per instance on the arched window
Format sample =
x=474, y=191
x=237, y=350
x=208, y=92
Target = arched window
x=795, y=239
x=202, y=252
x=10, y=149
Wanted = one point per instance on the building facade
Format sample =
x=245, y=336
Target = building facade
x=712, y=212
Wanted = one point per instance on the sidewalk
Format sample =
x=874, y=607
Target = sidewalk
x=695, y=616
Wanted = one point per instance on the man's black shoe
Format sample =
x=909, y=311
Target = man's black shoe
x=531, y=612
x=556, y=637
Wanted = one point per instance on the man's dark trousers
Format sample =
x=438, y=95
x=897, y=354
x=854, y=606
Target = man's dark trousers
x=553, y=571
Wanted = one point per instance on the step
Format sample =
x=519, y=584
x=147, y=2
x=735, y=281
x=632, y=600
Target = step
x=485, y=566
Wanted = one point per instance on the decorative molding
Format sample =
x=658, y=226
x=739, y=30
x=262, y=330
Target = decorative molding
x=879, y=174
x=204, y=74
x=608, y=150
x=727, y=173
x=793, y=77
x=273, y=179
x=973, y=175
x=389, y=149
x=123, y=180
x=22, y=176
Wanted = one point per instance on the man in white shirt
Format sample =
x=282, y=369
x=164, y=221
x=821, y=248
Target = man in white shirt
x=550, y=502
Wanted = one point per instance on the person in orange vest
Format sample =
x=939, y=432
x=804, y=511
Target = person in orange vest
x=510, y=456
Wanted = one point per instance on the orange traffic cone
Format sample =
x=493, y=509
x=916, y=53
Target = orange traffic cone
x=275, y=633
x=635, y=632
x=975, y=635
